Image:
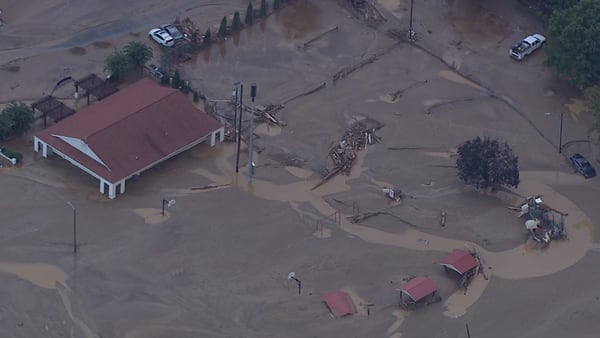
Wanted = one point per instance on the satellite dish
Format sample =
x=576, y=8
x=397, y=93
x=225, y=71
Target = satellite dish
x=171, y=203
x=291, y=275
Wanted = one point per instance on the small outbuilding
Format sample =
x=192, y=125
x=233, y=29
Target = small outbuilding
x=416, y=290
x=460, y=261
x=339, y=303
x=128, y=133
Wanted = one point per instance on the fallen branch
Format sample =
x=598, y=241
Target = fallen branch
x=210, y=186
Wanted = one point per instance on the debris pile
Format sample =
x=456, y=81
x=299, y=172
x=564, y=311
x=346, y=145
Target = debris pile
x=187, y=27
x=360, y=135
x=545, y=223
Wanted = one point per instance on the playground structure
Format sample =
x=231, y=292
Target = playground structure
x=545, y=223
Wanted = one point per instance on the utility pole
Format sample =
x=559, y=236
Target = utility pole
x=239, y=135
x=561, y=132
x=411, y=33
x=74, y=227
x=251, y=148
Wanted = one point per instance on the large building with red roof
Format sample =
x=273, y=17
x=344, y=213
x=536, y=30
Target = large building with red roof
x=129, y=132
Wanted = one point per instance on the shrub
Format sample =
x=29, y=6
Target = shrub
x=249, y=14
x=236, y=24
x=13, y=154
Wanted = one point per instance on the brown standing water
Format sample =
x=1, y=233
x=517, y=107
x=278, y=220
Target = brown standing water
x=517, y=263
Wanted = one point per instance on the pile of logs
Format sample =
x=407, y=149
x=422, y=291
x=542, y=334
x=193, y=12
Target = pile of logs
x=187, y=27
x=358, y=137
x=266, y=114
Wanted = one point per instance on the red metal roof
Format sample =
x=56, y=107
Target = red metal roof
x=460, y=261
x=418, y=288
x=131, y=129
x=339, y=303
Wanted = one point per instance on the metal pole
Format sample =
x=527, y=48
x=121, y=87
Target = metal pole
x=74, y=227
x=239, y=137
x=561, y=132
x=251, y=148
x=235, y=111
x=163, y=207
x=410, y=28
x=468, y=333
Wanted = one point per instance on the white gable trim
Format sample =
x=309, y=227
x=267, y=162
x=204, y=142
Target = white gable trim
x=83, y=147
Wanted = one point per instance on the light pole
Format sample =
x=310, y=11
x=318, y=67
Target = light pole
x=411, y=33
x=168, y=203
x=560, y=136
x=234, y=94
x=239, y=124
x=251, y=148
x=74, y=227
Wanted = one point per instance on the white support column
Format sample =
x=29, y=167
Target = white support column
x=112, y=191
x=122, y=190
x=44, y=149
x=212, y=138
x=102, y=187
x=36, y=144
x=221, y=134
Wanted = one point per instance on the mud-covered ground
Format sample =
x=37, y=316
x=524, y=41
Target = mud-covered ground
x=216, y=264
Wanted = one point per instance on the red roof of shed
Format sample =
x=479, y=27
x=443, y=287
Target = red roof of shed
x=460, y=261
x=339, y=303
x=130, y=130
x=418, y=288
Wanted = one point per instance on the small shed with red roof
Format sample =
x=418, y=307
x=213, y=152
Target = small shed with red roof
x=128, y=133
x=339, y=303
x=460, y=261
x=417, y=289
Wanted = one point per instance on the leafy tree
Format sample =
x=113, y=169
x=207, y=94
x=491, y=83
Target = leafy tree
x=6, y=126
x=574, y=47
x=118, y=64
x=276, y=4
x=21, y=116
x=138, y=53
x=236, y=24
x=249, y=14
x=486, y=163
x=264, y=8
x=176, y=82
x=592, y=97
x=207, y=38
x=223, y=28
x=194, y=40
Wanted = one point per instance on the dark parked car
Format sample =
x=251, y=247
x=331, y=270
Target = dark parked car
x=157, y=72
x=582, y=165
x=172, y=30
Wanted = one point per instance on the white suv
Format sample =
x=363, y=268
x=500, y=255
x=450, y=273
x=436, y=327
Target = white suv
x=161, y=37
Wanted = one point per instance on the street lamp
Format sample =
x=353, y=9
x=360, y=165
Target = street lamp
x=251, y=149
x=168, y=204
x=235, y=94
x=560, y=136
x=74, y=227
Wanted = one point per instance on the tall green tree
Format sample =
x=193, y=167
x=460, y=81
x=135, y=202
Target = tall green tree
x=118, y=64
x=21, y=116
x=6, y=126
x=592, y=98
x=264, y=8
x=207, y=38
x=223, y=28
x=487, y=163
x=176, y=82
x=574, y=43
x=249, y=14
x=236, y=24
x=138, y=53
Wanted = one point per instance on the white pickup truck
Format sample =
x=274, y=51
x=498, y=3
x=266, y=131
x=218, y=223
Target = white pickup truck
x=527, y=46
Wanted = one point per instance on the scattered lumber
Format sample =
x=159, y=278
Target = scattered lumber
x=210, y=186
